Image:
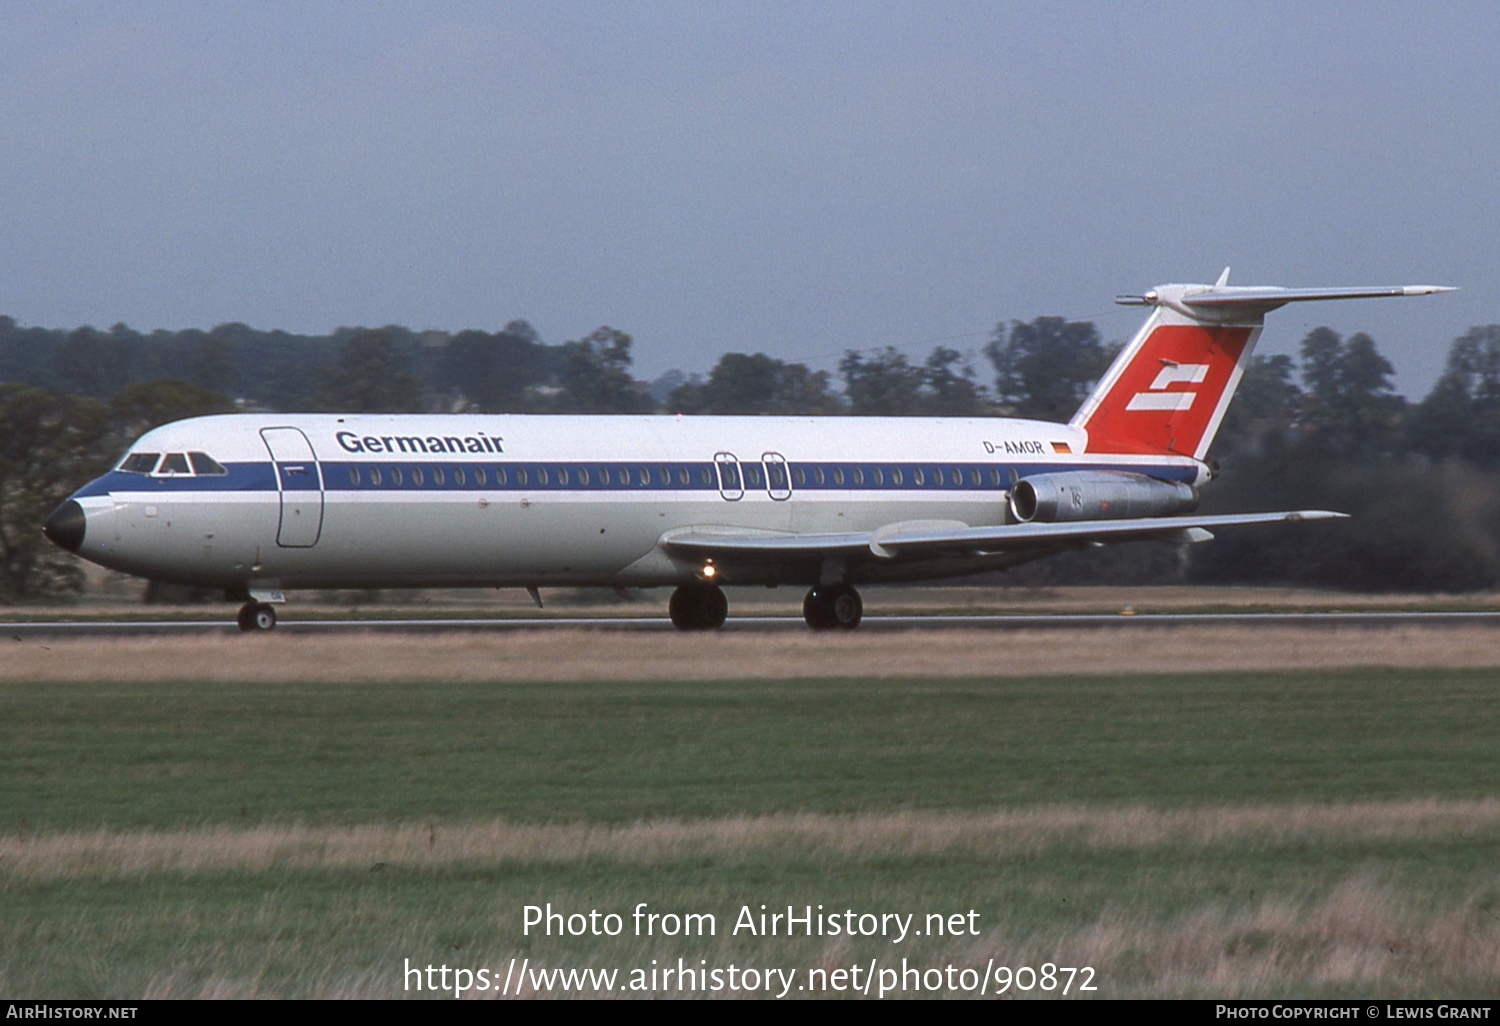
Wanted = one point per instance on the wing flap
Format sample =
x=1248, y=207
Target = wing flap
x=916, y=539
x=1017, y=536
x=715, y=540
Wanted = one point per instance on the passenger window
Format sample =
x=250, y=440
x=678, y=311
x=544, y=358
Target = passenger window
x=562, y=475
x=937, y=477
x=838, y=475
x=541, y=475
x=955, y=476
x=994, y=475
x=896, y=476
x=752, y=475
x=500, y=477
x=140, y=462
x=396, y=476
x=374, y=475
x=777, y=473
x=623, y=476
x=974, y=476
x=917, y=477
x=583, y=476
x=174, y=463
x=859, y=475
x=664, y=476
x=458, y=476
x=704, y=477
x=521, y=476
x=818, y=475
x=643, y=476
x=354, y=475
x=877, y=476
x=416, y=475
x=204, y=464
x=682, y=476
x=478, y=476
x=438, y=477
x=799, y=476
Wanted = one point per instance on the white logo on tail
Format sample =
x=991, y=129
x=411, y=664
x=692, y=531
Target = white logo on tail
x=1160, y=399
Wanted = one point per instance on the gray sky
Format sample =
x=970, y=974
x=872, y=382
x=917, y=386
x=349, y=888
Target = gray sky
x=796, y=178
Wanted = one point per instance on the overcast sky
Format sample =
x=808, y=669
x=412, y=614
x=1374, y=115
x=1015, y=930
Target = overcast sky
x=794, y=178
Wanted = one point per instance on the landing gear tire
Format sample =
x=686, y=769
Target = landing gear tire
x=257, y=616
x=836, y=607
x=702, y=608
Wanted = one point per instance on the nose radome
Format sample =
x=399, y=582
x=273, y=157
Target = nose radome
x=65, y=527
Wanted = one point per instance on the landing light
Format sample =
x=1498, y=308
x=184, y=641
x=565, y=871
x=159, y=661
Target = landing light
x=709, y=570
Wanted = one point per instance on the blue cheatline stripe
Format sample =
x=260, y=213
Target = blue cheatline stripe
x=571, y=476
x=616, y=477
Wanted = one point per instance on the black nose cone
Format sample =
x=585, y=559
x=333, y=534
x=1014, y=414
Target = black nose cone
x=65, y=526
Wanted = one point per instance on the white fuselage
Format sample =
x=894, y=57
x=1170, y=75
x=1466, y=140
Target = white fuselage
x=322, y=500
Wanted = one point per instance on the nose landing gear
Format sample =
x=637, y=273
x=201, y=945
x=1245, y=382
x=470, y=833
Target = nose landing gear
x=698, y=608
x=830, y=607
x=257, y=616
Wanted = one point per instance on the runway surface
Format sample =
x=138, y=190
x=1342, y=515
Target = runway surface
x=873, y=622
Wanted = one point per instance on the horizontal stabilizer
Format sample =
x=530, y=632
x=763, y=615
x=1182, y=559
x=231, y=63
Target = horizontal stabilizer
x=1262, y=299
x=886, y=544
x=1269, y=298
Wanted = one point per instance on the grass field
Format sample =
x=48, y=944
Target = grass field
x=568, y=655
x=1268, y=833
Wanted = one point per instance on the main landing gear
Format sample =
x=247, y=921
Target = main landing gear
x=703, y=607
x=698, y=607
x=834, y=606
x=257, y=616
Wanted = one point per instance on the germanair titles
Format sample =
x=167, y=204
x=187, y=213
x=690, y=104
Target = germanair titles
x=350, y=442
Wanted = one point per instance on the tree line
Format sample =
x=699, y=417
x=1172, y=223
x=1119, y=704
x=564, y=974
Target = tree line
x=1041, y=365
x=1323, y=429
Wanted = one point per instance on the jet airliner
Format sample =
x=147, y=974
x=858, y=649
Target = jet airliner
x=258, y=504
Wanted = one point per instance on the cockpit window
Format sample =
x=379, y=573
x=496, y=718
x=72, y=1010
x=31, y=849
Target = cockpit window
x=174, y=463
x=203, y=463
x=140, y=462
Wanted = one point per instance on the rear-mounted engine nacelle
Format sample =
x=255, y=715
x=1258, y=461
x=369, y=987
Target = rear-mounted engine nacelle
x=1098, y=495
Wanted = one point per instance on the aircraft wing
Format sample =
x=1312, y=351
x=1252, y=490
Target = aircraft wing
x=917, y=538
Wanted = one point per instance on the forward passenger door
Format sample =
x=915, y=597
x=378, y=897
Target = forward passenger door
x=299, y=480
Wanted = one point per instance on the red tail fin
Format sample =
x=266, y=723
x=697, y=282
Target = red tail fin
x=1168, y=390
